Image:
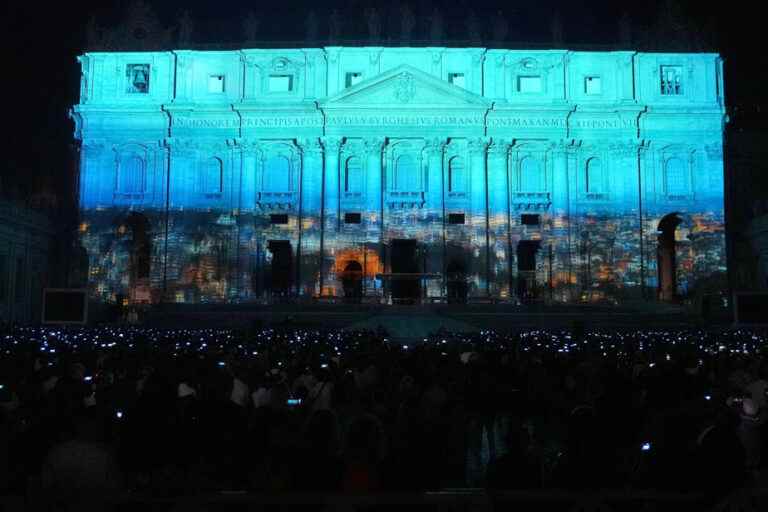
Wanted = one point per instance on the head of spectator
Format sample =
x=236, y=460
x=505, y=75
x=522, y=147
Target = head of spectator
x=321, y=433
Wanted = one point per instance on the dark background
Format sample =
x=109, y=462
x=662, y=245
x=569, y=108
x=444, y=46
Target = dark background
x=41, y=41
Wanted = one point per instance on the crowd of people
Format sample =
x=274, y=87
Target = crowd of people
x=104, y=409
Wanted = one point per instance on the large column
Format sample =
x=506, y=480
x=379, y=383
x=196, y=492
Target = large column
x=436, y=213
x=331, y=212
x=498, y=218
x=560, y=234
x=478, y=220
x=310, y=257
x=374, y=209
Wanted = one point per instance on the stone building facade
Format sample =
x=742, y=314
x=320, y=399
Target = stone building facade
x=400, y=173
x=26, y=246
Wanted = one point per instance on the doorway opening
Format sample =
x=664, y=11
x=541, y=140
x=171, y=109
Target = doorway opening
x=352, y=282
x=666, y=257
x=526, y=269
x=456, y=277
x=281, y=276
x=406, y=286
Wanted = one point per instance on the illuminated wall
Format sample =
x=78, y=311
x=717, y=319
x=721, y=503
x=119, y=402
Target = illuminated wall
x=242, y=175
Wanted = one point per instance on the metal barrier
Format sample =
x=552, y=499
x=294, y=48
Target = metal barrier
x=449, y=500
x=452, y=500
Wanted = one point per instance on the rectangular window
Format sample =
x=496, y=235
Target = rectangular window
x=456, y=79
x=530, y=219
x=671, y=80
x=455, y=218
x=280, y=83
x=216, y=84
x=529, y=84
x=278, y=218
x=137, y=76
x=352, y=218
x=592, y=85
x=353, y=78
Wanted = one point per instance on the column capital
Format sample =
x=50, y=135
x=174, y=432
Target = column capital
x=310, y=146
x=181, y=146
x=499, y=148
x=625, y=149
x=246, y=144
x=479, y=144
x=435, y=146
x=94, y=147
x=332, y=145
x=374, y=145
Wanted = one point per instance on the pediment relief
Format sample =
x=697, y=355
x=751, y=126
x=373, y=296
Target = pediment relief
x=404, y=87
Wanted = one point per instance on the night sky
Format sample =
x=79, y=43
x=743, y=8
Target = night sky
x=41, y=75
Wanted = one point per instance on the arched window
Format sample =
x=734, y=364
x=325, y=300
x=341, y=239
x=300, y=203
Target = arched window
x=675, y=181
x=457, y=177
x=131, y=177
x=353, y=175
x=277, y=174
x=212, y=177
x=531, y=175
x=407, y=174
x=594, y=180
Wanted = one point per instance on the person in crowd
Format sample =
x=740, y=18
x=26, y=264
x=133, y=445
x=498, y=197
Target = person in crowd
x=284, y=409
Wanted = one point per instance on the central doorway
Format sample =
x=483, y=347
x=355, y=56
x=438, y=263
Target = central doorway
x=406, y=288
x=281, y=277
x=456, y=274
x=526, y=269
x=667, y=257
x=352, y=282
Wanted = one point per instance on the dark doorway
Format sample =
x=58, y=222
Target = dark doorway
x=141, y=246
x=281, y=277
x=526, y=269
x=666, y=257
x=405, y=288
x=352, y=282
x=456, y=275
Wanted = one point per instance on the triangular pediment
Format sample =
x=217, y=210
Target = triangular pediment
x=405, y=87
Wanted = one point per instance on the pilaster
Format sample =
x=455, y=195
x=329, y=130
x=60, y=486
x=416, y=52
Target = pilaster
x=478, y=219
x=499, y=255
x=331, y=213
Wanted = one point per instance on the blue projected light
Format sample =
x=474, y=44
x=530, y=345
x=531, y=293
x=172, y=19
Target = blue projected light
x=400, y=173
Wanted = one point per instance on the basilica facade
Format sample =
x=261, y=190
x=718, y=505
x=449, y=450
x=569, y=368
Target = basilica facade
x=400, y=174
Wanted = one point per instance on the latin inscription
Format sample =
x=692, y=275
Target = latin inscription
x=403, y=120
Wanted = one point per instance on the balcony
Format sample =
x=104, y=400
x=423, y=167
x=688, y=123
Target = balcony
x=399, y=200
x=531, y=201
x=275, y=200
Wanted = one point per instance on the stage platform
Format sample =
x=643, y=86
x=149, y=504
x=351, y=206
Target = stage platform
x=417, y=321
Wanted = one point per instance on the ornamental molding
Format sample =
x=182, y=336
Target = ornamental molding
x=405, y=88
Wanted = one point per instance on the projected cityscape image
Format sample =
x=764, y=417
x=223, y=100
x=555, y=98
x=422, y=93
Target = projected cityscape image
x=400, y=174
